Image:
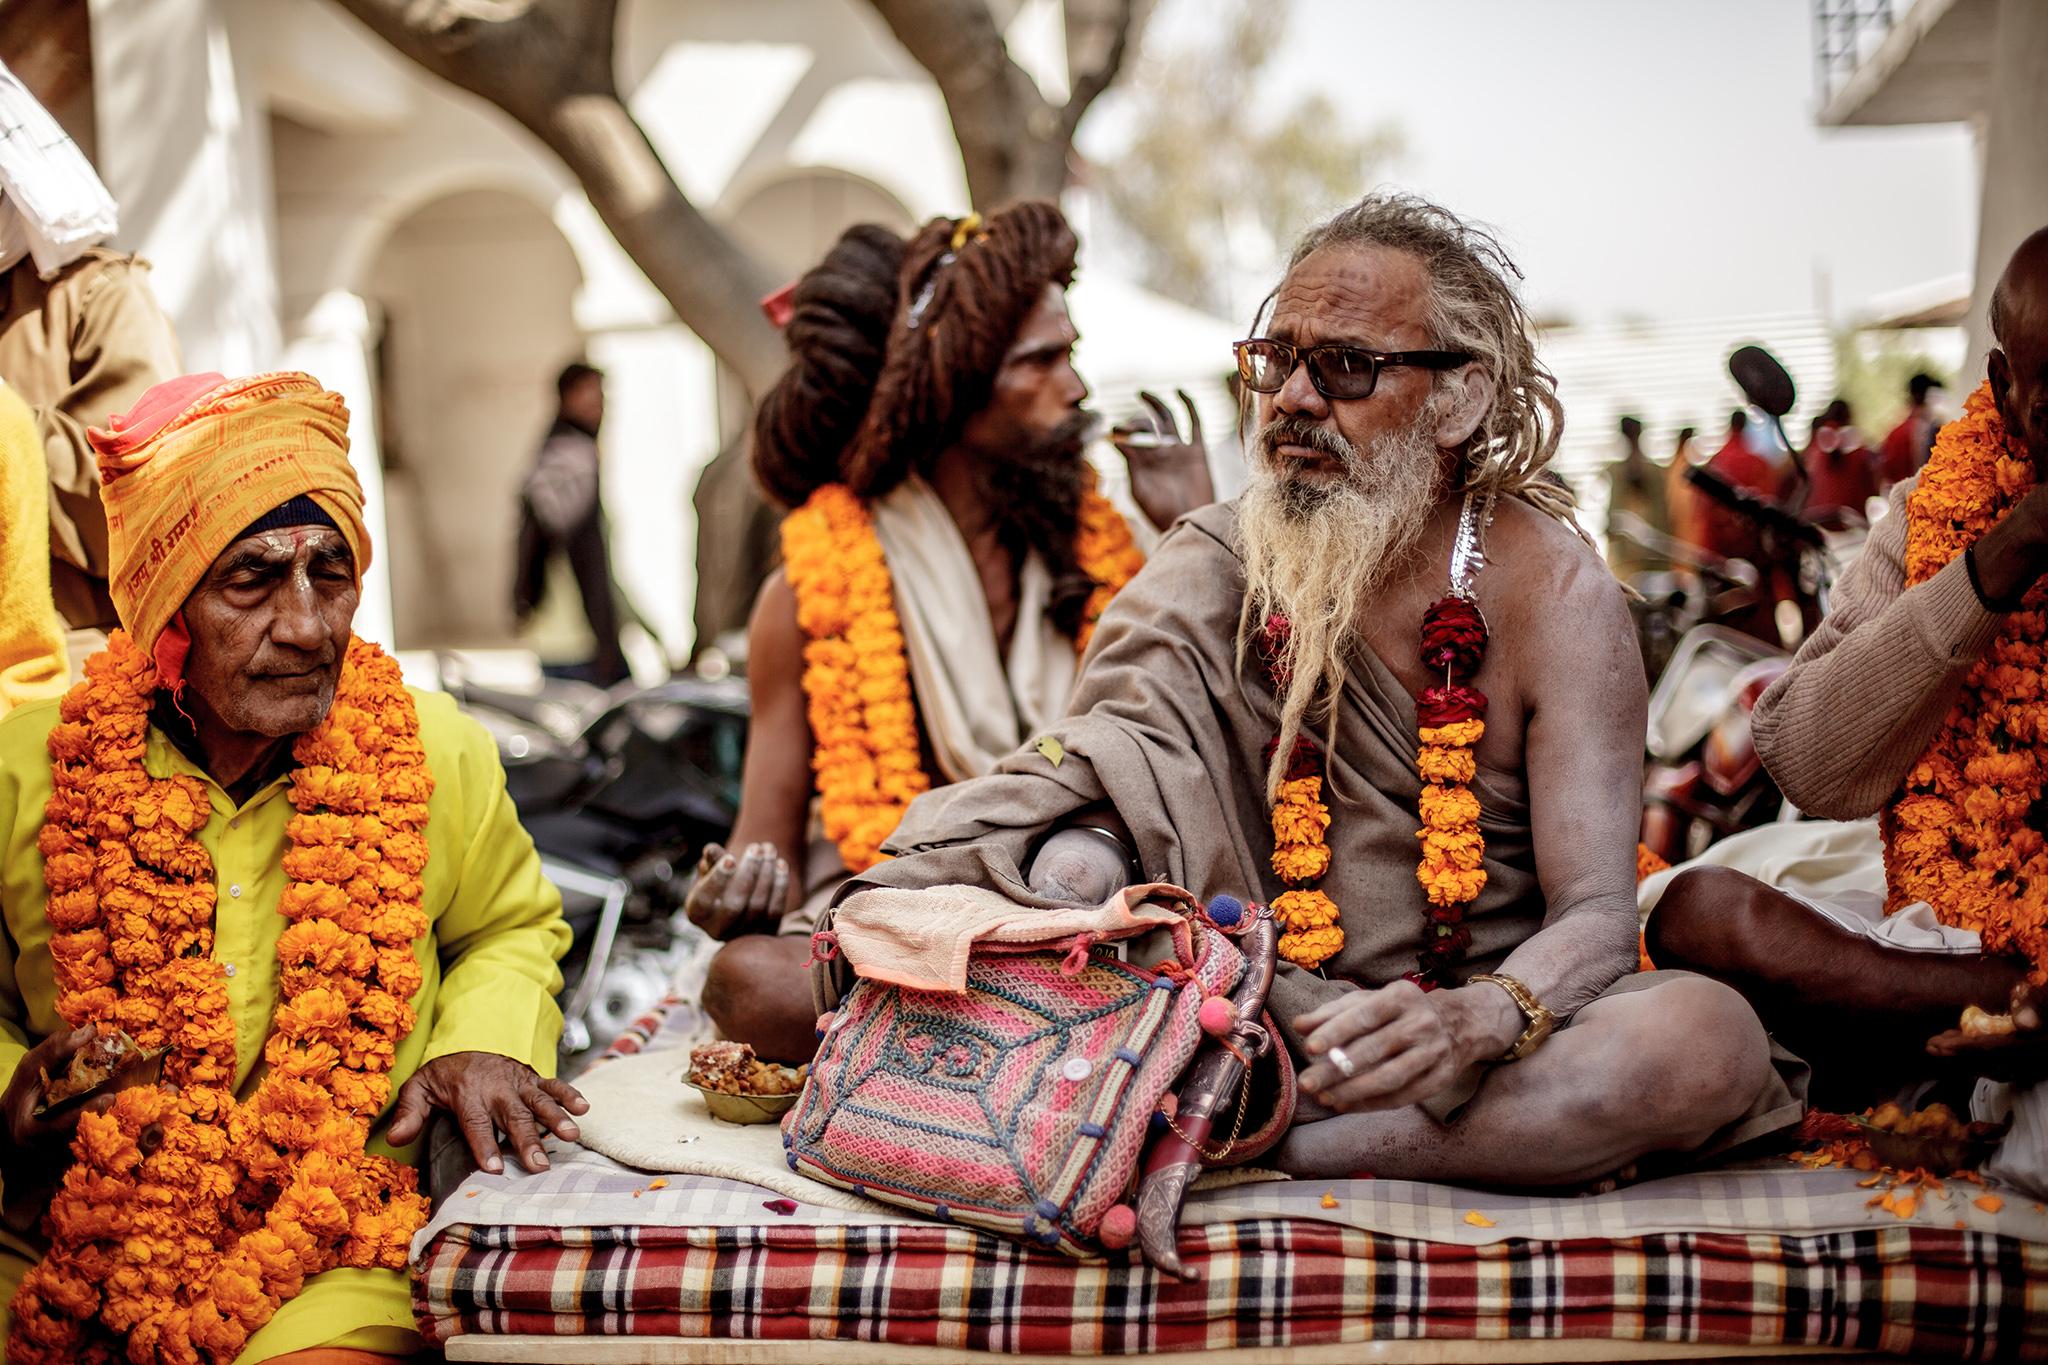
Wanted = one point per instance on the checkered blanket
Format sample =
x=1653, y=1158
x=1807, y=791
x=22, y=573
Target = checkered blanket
x=1761, y=1256
x=1266, y=1282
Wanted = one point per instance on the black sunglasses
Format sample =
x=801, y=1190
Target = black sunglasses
x=1337, y=371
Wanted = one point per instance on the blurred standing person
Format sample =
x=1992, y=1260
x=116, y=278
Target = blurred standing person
x=32, y=660
x=1910, y=442
x=1841, y=468
x=1681, y=502
x=81, y=336
x=1635, y=485
x=1724, y=531
x=562, y=513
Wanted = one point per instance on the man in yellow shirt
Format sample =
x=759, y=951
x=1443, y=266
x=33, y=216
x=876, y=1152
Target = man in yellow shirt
x=245, y=844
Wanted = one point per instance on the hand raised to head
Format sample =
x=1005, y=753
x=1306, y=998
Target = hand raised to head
x=1169, y=472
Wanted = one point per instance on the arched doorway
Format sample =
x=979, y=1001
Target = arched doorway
x=474, y=292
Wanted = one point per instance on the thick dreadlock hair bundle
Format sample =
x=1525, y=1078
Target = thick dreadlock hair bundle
x=969, y=301
x=838, y=328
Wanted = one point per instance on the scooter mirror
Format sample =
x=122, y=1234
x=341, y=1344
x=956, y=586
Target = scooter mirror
x=1763, y=380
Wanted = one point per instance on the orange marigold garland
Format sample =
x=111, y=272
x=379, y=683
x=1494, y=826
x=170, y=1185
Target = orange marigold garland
x=1959, y=835
x=1451, y=723
x=188, y=1217
x=862, y=711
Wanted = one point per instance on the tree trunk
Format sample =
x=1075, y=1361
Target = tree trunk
x=713, y=285
x=548, y=64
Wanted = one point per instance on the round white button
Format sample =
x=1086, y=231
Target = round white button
x=235, y=891
x=1077, y=1068
x=229, y=969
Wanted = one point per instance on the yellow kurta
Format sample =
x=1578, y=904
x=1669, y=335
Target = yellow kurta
x=489, y=961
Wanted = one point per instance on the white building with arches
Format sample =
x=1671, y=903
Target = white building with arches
x=310, y=199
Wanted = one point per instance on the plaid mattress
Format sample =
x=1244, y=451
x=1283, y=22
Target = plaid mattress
x=1291, y=1282
x=697, y=1263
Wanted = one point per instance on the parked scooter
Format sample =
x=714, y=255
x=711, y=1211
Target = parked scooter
x=620, y=791
x=1704, y=780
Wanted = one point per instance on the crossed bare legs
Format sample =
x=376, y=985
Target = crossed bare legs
x=1657, y=1070
x=1859, y=1012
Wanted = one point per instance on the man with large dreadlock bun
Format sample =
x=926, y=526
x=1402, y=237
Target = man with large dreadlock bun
x=944, y=565
x=1392, y=694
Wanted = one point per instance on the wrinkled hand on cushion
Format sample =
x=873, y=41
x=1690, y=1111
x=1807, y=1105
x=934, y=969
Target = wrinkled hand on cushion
x=2018, y=1053
x=1404, y=1044
x=488, y=1094
x=733, y=892
x=1169, y=475
x=1074, y=865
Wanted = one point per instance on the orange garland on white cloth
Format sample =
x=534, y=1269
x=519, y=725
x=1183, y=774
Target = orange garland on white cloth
x=862, y=710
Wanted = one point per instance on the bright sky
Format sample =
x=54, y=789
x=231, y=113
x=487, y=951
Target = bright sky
x=1653, y=158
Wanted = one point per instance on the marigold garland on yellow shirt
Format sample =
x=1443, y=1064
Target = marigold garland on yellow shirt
x=1959, y=835
x=187, y=1216
x=856, y=677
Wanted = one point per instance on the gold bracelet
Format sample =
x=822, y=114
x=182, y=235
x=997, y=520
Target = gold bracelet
x=1541, y=1020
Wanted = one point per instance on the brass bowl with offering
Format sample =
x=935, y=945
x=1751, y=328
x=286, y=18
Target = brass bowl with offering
x=1931, y=1139
x=740, y=1088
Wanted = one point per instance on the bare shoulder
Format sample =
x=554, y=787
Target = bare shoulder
x=1574, y=641
x=1550, y=573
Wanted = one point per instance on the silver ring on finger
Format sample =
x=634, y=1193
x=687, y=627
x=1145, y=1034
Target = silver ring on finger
x=1338, y=1058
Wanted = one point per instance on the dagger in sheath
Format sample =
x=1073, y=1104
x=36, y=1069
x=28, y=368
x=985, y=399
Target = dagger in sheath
x=1216, y=1076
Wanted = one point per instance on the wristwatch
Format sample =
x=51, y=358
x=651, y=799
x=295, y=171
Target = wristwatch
x=1541, y=1020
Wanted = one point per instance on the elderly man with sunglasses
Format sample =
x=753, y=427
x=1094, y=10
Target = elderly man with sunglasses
x=1392, y=693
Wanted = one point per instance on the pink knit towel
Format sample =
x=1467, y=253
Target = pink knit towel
x=921, y=939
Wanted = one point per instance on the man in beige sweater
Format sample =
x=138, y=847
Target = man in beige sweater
x=1874, y=1000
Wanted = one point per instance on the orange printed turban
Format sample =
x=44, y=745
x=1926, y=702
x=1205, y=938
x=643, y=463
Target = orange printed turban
x=198, y=459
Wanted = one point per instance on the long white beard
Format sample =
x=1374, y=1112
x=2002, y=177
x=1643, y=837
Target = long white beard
x=1318, y=552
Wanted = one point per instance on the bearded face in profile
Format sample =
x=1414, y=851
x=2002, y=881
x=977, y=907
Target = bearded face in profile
x=1319, y=546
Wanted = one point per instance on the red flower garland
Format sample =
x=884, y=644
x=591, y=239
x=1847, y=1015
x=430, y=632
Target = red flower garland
x=1451, y=720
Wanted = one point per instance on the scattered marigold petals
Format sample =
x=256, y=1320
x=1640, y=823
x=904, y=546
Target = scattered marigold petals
x=1906, y=1207
x=471, y=1194
x=1991, y=1203
x=659, y=1183
x=785, y=1207
x=1476, y=1219
x=1329, y=1201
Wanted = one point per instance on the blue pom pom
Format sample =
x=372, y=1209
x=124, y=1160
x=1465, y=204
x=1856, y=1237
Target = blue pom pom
x=1226, y=912
x=1159, y=1120
x=791, y=1159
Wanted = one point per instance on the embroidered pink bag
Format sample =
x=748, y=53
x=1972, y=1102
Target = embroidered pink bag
x=1002, y=1066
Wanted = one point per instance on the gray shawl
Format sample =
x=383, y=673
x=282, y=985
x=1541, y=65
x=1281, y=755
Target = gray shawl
x=1164, y=727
